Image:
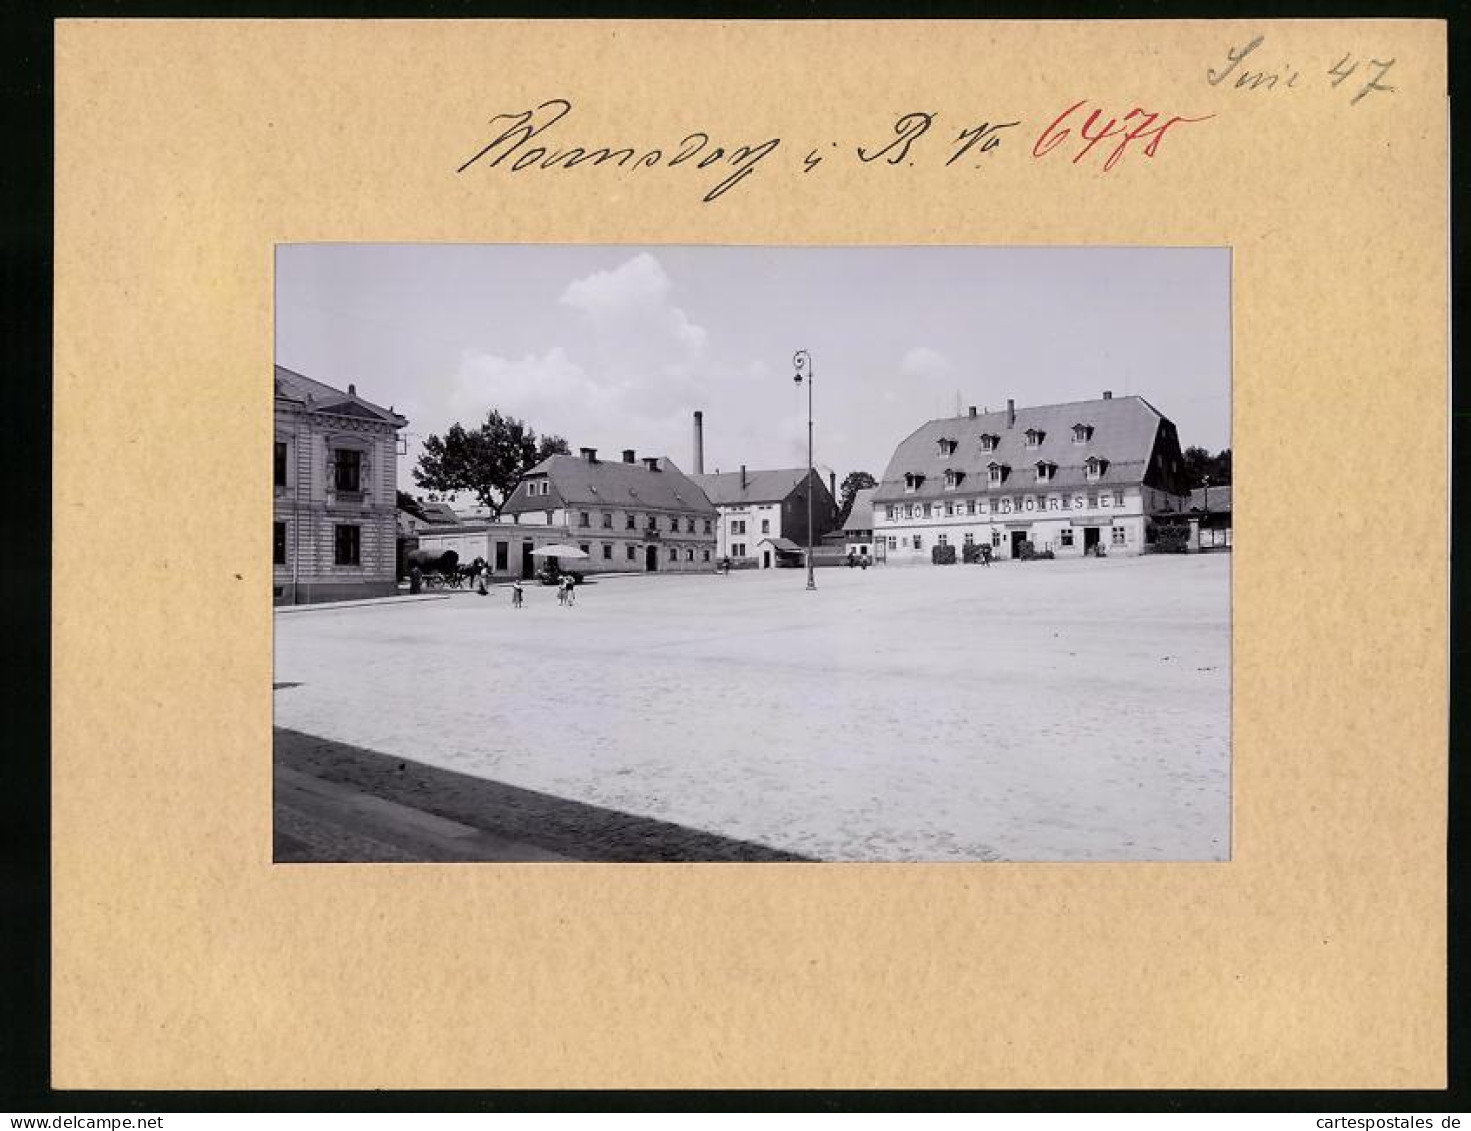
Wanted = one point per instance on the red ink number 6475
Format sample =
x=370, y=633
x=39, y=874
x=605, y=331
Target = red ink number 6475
x=1137, y=125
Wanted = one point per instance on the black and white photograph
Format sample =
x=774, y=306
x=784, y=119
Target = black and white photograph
x=737, y=554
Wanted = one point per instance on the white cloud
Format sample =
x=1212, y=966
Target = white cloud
x=926, y=364
x=631, y=302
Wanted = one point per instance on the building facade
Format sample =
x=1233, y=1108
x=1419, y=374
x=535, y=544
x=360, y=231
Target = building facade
x=761, y=512
x=335, y=493
x=627, y=515
x=858, y=529
x=1079, y=478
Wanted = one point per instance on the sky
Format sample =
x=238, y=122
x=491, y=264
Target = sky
x=615, y=347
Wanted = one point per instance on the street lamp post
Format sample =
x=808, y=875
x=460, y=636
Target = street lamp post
x=802, y=360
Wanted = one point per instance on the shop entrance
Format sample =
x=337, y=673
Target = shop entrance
x=1017, y=538
x=528, y=563
x=651, y=558
x=1090, y=539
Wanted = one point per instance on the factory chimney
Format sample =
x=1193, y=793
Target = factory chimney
x=832, y=483
x=743, y=477
x=1010, y=412
x=699, y=442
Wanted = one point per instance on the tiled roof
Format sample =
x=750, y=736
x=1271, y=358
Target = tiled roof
x=1122, y=433
x=610, y=483
x=1220, y=498
x=440, y=514
x=786, y=545
x=318, y=397
x=861, y=516
x=771, y=486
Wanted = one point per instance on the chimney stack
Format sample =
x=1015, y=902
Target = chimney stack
x=651, y=462
x=1108, y=394
x=972, y=412
x=832, y=483
x=589, y=454
x=1010, y=412
x=628, y=456
x=743, y=477
x=699, y=442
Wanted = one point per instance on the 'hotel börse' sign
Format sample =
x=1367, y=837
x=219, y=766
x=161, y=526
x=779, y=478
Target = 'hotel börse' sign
x=1009, y=505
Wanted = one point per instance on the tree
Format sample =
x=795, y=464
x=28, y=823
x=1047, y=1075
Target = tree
x=853, y=482
x=487, y=462
x=1200, y=465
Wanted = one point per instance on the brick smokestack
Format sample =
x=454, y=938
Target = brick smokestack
x=1010, y=412
x=699, y=442
x=832, y=483
x=743, y=477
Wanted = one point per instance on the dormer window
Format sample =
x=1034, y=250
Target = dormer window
x=947, y=446
x=1046, y=471
x=997, y=473
x=1096, y=467
x=989, y=442
x=1035, y=436
x=953, y=478
x=912, y=480
x=1082, y=433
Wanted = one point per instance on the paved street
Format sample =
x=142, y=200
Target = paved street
x=1064, y=710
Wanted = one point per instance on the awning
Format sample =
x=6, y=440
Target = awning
x=782, y=545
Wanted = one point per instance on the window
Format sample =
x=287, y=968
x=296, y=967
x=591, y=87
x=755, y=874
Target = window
x=893, y=543
x=947, y=446
x=278, y=543
x=970, y=506
x=348, y=545
x=970, y=539
x=953, y=478
x=673, y=554
x=995, y=506
x=949, y=507
x=919, y=542
x=689, y=555
x=1046, y=471
x=586, y=549
x=927, y=510
x=1067, y=536
x=995, y=538
x=546, y=486
x=912, y=480
x=989, y=442
x=889, y=513
x=347, y=470
x=766, y=526
x=607, y=521
x=707, y=526
x=944, y=539
x=632, y=553
x=705, y=555
x=653, y=523
x=1118, y=535
x=1035, y=436
x=1092, y=499
x=738, y=527
x=689, y=526
x=674, y=524
x=1096, y=467
x=608, y=551
x=582, y=518
x=1118, y=498
x=1082, y=433
x=280, y=463
x=631, y=522
x=738, y=550
x=997, y=473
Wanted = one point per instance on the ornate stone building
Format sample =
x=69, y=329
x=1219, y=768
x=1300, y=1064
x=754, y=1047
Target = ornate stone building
x=335, y=485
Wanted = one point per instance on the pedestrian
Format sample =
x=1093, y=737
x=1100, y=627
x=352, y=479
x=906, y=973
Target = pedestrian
x=516, y=594
x=562, y=591
x=571, y=590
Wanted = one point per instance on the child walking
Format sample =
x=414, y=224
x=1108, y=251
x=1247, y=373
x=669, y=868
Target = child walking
x=516, y=594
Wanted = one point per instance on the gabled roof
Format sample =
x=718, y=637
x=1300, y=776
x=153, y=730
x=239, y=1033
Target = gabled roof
x=772, y=486
x=861, y=516
x=1124, y=430
x=578, y=482
x=314, y=396
x=1220, y=498
x=440, y=514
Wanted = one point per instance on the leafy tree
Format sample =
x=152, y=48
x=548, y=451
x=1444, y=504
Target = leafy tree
x=487, y=462
x=853, y=482
x=1200, y=465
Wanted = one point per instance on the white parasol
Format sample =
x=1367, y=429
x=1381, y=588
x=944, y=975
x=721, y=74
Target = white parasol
x=557, y=551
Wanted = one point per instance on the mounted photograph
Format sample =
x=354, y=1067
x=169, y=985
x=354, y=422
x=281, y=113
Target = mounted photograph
x=708, y=554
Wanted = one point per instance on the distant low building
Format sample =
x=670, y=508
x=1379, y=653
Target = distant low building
x=858, y=530
x=761, y=512
x=1076, y=478
x=335, y=493
x=1210, y=514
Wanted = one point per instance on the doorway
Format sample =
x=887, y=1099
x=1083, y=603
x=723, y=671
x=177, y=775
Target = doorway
x=528, y=563
x=1090, y=539
x=1017, y=538
x=651, y=559
x=765, y=559
x=502, y=555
